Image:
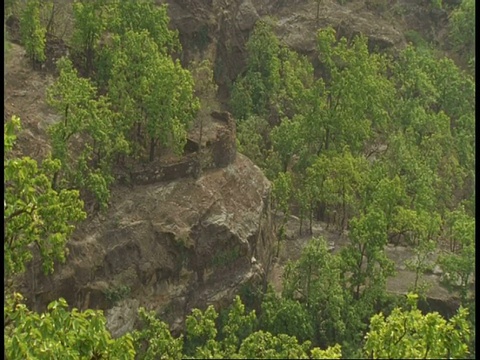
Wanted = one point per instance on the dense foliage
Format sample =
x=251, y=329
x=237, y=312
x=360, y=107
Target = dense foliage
x=33, y=32
x=379, y=148
x=36, y=216
x=121, y=95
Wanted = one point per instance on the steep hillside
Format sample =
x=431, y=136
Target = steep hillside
x=179, y=242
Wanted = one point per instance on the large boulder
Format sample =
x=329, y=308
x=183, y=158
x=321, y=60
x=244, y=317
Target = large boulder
x=168, y=246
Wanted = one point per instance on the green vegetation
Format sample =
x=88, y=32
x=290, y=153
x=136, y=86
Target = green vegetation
x=378, y=147
x=135, y=102
x=87, y=138
x=411, y=335
x=33, y=32
x=60, y=333
x=116, y=294
x=35, y=214
x=375, y=145
x=462, y=30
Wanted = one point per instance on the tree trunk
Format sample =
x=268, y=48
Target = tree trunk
x=55, y=180
x=152, y=150
x=50, y=20
x=344, y=210
x=327, y=139
x=311, y=218
x=320, y=211
x=200, y=136
x=301, y=222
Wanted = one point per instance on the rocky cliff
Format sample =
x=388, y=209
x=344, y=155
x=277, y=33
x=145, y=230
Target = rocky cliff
x=219, y=29
x=167, y=246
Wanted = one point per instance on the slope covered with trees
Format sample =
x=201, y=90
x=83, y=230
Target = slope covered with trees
x=378, y=146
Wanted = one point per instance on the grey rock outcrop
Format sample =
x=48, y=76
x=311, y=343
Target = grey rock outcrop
x=168, y=246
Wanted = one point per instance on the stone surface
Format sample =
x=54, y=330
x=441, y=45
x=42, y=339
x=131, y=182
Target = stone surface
x=246, y=16
x=170, y=246
x=121, y=318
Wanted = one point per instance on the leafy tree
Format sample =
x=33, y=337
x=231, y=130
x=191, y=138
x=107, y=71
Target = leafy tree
x=205, y=90
x=87, y=138
x=296, y=80
x=89, y=24
x=241, y=102
x=263, y=65
x=201, y=333
x=35, y=214
x=251, y=134
x=359, y=96
x=344, y=183
x=410, y=334
x=284, y=315
x=60, y=333
x=315, y=281
x=33, y=33
x=264, y=345
x=459, y=264
x=238, y=326
x=286, y=140
x=333, y=352
x=462, y=29
x=364, y=258
x=144, y=15
x=154, y=341
x=282, y=193
x=365, y=269
x=153, y=93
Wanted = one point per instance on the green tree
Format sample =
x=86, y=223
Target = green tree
x=344, y=184
x=153, y=93
x=89, y=24
x=252, y=94
x=282, y=194
x=410, y=334
x=365, y=269
x=60, y=333
x=87, y=138
x=315, y=281
x=284, y=315
x=462, y=29
x=359, y=95
x=35, y=214
x=238, y=326
x=201, y=333
x=364, y=258
x=33, y=33
x=205, y=90
x=251, y=135
x=296, y=80
x=144, y=15
x=264, y=345
x=286, y=140
x=153, y=340
x=459, y=263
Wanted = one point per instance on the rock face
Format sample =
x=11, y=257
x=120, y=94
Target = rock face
x=167, y=246
x=219, y=29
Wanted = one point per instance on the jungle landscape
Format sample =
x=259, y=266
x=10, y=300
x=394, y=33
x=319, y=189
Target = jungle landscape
x=239, y=179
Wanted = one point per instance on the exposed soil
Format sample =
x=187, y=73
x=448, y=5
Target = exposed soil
x=25, y=97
